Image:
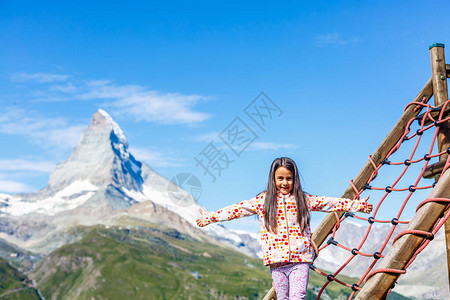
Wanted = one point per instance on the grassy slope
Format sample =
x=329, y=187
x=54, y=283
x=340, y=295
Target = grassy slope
x=155, y=263
x=12, y=280
x=148, y=263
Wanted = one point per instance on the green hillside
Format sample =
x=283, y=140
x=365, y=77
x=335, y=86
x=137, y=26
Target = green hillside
x=154, y=263
x=148, y=263
x=14, y=285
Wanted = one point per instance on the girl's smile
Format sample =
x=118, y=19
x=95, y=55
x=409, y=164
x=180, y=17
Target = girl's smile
x=284, y=180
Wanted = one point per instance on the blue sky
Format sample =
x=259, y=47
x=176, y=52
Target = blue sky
x=174, y=75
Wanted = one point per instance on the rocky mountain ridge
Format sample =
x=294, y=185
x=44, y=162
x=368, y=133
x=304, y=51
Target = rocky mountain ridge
x=101, y=183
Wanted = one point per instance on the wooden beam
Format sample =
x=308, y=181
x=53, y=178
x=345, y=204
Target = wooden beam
x=439, y=78
x=327, y=224
x=447, y=69
x=434, y=169
x=401, y=252
x=270, y=295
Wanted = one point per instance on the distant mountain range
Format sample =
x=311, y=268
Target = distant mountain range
x=101, y=198
x=100, y=183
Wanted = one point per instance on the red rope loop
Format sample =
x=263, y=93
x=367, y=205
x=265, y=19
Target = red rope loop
x=375, y=168
x=415, y=232
x=391, y=271
x=432, y=200
x=338, y=222
x=418, y=104
x=354, y=189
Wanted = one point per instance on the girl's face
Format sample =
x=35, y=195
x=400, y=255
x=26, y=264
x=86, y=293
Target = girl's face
x=284, y=180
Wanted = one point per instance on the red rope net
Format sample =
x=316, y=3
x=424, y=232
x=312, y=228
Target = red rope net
x=416, y=160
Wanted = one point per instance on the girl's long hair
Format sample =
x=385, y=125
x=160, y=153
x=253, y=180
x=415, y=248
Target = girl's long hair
x=270, y=203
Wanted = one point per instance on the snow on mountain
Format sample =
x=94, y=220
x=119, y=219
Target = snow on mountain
x=184, y=205
x=101, y=157
x=72, y=196
x=100, y=183
x=106, y=118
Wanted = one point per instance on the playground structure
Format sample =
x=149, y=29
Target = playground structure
x=431, y=214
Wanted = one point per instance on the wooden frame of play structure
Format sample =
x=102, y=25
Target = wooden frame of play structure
x=394, y=262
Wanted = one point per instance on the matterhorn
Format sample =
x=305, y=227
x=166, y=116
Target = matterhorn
x=102, y=183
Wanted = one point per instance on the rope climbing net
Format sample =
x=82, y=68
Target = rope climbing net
x=410, y=170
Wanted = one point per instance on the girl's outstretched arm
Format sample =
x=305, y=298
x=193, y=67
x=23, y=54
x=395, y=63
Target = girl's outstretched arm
x=338, y=204
x=238, y=210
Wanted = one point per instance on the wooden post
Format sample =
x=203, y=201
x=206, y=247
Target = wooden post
x=438, y=74
x=401, y=252
x=439, y=79
x=327, y=224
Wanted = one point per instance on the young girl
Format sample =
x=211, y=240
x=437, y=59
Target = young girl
x=283, y=211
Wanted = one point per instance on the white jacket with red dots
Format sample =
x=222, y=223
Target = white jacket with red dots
x=289, y=244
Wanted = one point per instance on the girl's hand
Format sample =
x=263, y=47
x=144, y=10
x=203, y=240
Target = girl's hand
x=201, y=220
x=369, y=206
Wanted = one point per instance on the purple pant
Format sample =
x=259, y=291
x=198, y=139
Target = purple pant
x=290, y=281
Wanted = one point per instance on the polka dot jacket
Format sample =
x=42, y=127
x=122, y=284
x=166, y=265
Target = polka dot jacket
x=289, y=244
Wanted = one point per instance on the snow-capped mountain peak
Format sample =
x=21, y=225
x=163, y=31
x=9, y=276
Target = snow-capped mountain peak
x=98, y=184
x=101, y=157
x=102, y=119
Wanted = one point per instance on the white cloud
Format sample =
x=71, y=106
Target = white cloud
x=147, y=105
x=269, y=146
x=49, y=133
x=104, y=89
x=131, y=101
x=64, y=88
x=11, y=186
x=26, y=165
x=154, y=158
x=17, y=169
x=38, y=77
x=333, y=39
